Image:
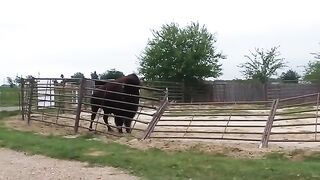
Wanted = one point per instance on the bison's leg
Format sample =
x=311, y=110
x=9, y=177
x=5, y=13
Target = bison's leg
x=94, y=110
x=127, y=124
x=105, y=118
x=119, y=122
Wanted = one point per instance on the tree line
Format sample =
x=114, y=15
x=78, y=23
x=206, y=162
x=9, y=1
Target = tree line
x=109, y=74
x=190, y=54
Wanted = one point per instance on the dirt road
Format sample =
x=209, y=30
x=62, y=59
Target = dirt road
x=18, y=165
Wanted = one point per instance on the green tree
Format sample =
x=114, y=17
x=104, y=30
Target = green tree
x=111, y=74
x=10, y=81
x=316, y=55
x=290, y=76
x=77, y=75
x=180, y=54
x=94, y=75
x=262, y=64
x=18, y=80
x=312, y=70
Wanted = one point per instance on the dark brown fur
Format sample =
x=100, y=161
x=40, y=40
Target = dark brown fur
x=119, y=121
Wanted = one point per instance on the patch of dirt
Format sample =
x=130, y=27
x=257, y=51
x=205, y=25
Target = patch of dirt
x=94, y=152
x=38, y=127
x=237, y=150
x=300, y=155
x=19, y=165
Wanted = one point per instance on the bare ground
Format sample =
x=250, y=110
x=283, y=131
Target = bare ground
x=18, y=165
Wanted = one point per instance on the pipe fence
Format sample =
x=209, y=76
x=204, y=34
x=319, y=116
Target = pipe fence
x=220, y=121
x=296, y=120
x=66, y=102
x=281, y=120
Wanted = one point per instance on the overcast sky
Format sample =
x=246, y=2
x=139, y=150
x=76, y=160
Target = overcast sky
x=67, y=36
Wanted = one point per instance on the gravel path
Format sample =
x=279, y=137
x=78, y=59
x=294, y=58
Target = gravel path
x=17, y=165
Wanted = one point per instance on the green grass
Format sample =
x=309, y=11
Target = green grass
x=4, y=114
x=9, y=96
x=158, y=164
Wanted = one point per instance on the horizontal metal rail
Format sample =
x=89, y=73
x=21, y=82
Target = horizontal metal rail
x=57, y=88
x=111, y=115
x=50, y=122
x=57, y=79
x=219, y=103
x=131, y=85
x=119, y=109
x=58, y=95
x=298, y=97
x=205, y=132
x=295, y=112
x=123, y=102
x=54, y=108
x=125, y=94
x=295, y=118
x=292, y=140
x=55, y=101
x=284, y=133
x=297, y=105
x=213, y=120
x=104, y=124
x=75, y=80
x=204, y=125
x=54, y=115
x=182, y=109
x=203, y=138
x=196, y=115
x=291, y=125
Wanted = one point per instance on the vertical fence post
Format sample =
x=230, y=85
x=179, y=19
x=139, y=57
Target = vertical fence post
x=317, y=113
x=225, y=129
x=32, y=85
x=22, y=103
x=183, y=92
x=157, y=115
x=268, y=127
x=79, y=104
x=265, y=89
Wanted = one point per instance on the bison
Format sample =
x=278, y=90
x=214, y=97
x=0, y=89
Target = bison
x=122, y=101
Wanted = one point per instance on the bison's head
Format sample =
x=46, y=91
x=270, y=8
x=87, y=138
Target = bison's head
x=132, y=79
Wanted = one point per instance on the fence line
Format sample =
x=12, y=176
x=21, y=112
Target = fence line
x=292, y=119
x=194, y=121
x=65, y=104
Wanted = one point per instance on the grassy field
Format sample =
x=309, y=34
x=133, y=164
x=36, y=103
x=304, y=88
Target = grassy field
x=9, y=96
x=155, y=163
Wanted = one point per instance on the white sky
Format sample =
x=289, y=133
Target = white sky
x=67, y=36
